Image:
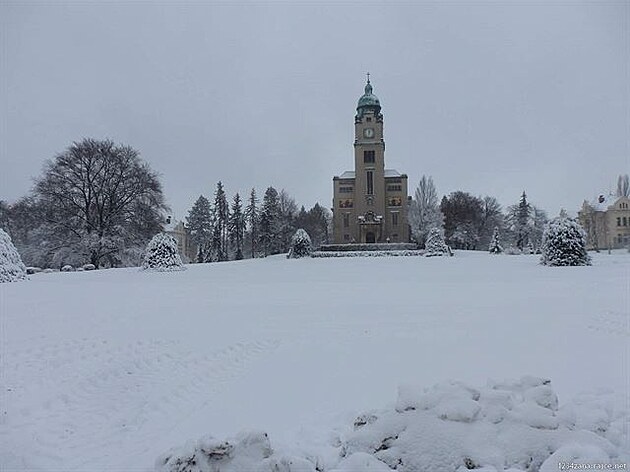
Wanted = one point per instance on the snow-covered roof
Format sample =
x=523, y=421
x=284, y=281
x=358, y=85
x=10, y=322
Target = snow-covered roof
x=603, y=201
x=392, y=173
x=349, y=174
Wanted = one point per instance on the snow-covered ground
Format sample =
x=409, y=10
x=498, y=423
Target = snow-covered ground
x=107, y=370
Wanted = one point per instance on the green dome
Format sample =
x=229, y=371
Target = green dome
x=368, y=100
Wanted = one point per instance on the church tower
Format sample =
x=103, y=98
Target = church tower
x=370, y=203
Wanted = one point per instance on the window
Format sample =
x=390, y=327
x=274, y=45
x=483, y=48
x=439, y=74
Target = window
x=370, y=182
x=346, y=189
x=619, y=221
x=395, y=218
x=347, y=203
x=394, y=188
x=346, y=237
x=395, y=238
x=368, y=157
x=368, y=119
x=346, y=220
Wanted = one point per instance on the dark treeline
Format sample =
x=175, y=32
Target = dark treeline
x=252, y=227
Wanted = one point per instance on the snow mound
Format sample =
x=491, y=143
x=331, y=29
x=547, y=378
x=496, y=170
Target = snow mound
x=161, y=254
x=450, y=427
x=250, y=451
x=12, y=268
x=514, y=425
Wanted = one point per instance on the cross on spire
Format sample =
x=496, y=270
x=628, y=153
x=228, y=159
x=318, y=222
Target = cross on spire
x=368, y=77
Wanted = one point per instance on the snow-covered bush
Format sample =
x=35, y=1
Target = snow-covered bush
x=161, y=254
x=495, y=244
x=67, y=268
x=33, y=270
x=12, y=268
x=435, y=244
x=89, y=267
x=564, y=244
x=301, y=245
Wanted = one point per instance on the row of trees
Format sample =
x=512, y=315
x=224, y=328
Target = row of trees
x=223, y=231
x=469, y=221
x=96, y=202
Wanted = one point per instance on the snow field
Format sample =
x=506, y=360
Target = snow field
x=107, y=370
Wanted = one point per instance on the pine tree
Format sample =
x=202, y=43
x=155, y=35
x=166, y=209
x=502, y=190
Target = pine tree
x=269, y=230
x=237, y=227
x=564, y=244
x=522, y=227
x=252, y=219
x=200, y=225
x=301, y=245
x=161, y=254
x=220, y=232
x=435, y=245
x=12, y=268
x=495, y=245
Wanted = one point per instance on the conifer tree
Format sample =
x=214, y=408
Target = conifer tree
x=269, y=235
x=301, y=245
x=520, y=216
x=435, y=244
x=495, y=244
x=161, y=254
x=200, y=225
x=11, y=267
x=564, y=244
x=237, y=227
x=220, y=231
x=251, y=218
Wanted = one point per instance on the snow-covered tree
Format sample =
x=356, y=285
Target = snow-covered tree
x=97, y=199
x=220, y=227
x=495, y=244
x=12, y=268
x=462, y=219
x=200, y=225
x=435, y=245
x=236, y=227
x=269, y=227
x=564, y=244
x=519, y=217
x=252, y=219
x=288, y=211
x=161, y=254
x=301, y=245
x=424, y=211
x=623, y=186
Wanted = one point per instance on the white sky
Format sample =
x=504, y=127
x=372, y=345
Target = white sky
x=487, y=97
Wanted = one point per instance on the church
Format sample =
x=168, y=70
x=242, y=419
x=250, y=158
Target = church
x=370, y=202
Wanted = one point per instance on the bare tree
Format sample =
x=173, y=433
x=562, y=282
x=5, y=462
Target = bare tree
x=424, y=212
x=623, y=186
x=98, y=199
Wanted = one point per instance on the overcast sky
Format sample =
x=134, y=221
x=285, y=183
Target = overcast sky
x=485, y=97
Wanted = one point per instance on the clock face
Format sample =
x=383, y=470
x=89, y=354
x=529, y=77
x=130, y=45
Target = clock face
x=368, y=132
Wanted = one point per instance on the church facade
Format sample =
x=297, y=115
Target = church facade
x=370, y=203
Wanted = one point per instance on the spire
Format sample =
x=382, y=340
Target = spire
x=368, y=77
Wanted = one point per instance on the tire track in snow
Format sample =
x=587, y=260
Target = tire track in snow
x=611, y=322
x=101, y=396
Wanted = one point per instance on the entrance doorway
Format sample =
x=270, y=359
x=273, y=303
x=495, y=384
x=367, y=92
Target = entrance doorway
x=370, y=238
